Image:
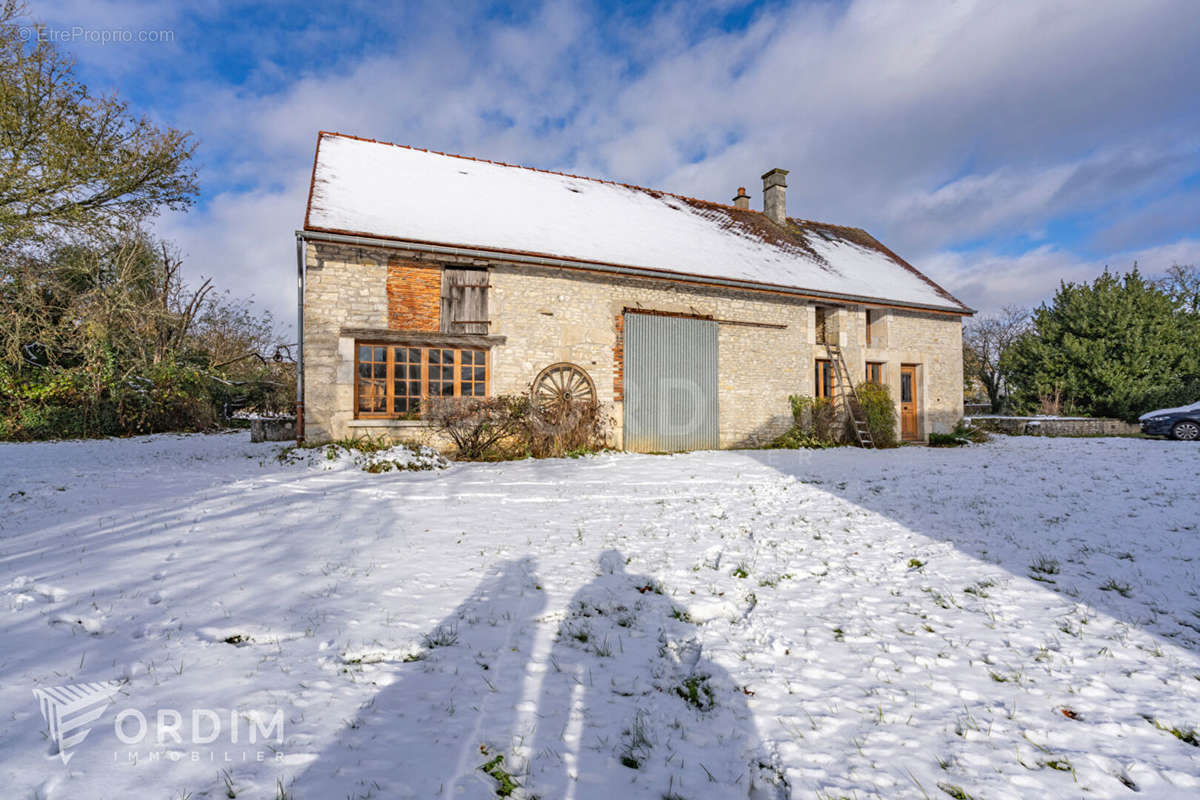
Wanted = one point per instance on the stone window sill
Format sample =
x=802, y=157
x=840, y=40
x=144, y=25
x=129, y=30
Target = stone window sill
x=387, y=423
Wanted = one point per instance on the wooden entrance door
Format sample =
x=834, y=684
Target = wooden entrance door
x=908, y=402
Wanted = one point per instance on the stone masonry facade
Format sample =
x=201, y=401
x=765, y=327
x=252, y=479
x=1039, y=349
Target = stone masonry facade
x=766, y=341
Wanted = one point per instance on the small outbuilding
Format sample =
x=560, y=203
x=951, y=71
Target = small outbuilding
x=425, y=275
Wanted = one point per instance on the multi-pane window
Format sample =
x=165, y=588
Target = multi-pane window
x=441, y=372
x=372, y=380
x=472, y=373
x=875, y=372
x=406, y=380
x=393, y=380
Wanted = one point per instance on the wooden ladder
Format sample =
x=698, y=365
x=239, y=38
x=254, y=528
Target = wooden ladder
x=844, y=385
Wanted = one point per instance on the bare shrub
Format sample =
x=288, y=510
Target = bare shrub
x=509, y=426
x=571, y=428
x=1050, y=403
x=479, y=427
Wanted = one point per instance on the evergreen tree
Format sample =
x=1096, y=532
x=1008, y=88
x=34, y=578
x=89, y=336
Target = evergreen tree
x=1117, y=347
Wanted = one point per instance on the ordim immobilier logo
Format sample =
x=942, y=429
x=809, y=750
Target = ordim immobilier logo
x=69, y=711
x=213, y=734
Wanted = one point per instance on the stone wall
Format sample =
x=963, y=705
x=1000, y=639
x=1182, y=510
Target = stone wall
x=765, y=340
x=344, y=286
x=931, y=342
x=1054, y=426
x=553, y=315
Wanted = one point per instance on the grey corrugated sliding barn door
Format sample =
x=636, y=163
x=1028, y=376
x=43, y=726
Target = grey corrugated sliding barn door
x=670, y=384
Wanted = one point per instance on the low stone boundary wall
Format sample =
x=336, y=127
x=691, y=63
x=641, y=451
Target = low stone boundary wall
x=1053, y=426
x=272, y=429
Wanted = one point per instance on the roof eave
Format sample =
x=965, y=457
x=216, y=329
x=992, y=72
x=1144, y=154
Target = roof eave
x=337, y=236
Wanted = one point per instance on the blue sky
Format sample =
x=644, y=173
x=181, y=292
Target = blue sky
x=1000, y=147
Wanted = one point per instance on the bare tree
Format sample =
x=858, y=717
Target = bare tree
x=985, y=341
x=1183, y=286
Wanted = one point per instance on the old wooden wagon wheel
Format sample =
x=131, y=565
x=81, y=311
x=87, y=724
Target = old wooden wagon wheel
x=559, y=385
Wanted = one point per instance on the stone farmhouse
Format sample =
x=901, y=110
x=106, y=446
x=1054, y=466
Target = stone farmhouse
x=423, y=274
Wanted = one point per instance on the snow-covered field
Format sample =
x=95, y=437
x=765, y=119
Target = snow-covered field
x=1017, y=619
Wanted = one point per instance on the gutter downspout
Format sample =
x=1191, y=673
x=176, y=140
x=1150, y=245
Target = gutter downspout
x=300, y=337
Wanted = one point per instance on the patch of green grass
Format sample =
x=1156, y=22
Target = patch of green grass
x=1006, y=677
x=442, y=636
x=955, y=791
x=979, y=588
x=741, y=570
x=1045, y=565
x=696, y=692
x=681, y=614
x=1112, y=585
x=505, y=783
x=1185, y=736
x=942, y=600
x=915, y=563
x=636, y=743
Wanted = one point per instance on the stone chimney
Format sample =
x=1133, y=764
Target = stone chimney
x=775, y=195
x=742, y=200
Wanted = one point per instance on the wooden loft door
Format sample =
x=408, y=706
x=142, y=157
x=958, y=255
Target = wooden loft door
x=465, y=301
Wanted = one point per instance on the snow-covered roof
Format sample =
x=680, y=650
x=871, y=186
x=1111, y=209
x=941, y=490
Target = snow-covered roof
x=376, y=189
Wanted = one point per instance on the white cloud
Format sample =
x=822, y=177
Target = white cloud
x=987, y=281
x=969, y=119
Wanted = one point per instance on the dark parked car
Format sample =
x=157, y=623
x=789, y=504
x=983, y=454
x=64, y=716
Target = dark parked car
x=1178, y=423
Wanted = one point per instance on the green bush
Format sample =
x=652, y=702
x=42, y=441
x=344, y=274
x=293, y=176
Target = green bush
x=77, y=403
x=796, y=439
x=945, y=440
x=815, y=424
x=880, y=412
x=961, y=435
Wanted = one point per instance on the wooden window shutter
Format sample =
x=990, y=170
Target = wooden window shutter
x=464, y=300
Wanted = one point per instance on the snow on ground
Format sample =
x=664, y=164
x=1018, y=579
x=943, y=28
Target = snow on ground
x=1017, y=619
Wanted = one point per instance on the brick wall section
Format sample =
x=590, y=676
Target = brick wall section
x=414, y=295
x=551, y=315
x=619, y=356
